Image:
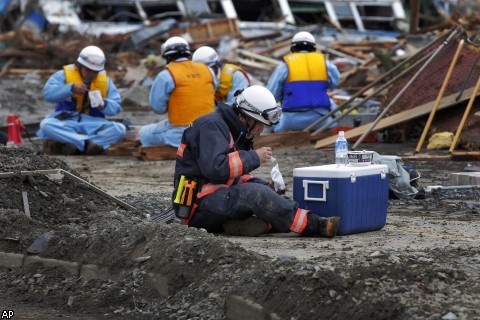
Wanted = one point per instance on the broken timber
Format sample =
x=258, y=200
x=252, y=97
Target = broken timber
x=153, y=153
x=465, y=155
x=287, y=139
x=398, y=118
x=209, y=32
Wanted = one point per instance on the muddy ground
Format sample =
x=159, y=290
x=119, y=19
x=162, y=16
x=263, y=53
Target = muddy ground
x=424, y=264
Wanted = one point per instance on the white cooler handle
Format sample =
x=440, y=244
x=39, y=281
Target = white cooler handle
x=305, y=190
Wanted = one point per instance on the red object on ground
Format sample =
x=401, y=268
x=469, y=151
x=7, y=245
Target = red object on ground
x=369, y=138
x=14, y=127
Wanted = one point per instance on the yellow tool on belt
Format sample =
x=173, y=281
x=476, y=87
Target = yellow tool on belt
x=181, y=186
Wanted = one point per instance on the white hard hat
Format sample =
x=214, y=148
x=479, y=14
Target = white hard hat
x=175, y=45
x=206, y=55
x=303, y=36
x=303, y=41
x=92, y=57
x=258, y=103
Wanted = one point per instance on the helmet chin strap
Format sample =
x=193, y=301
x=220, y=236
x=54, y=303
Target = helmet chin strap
x=250, y=128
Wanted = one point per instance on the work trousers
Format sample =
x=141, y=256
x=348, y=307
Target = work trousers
x=98, y=130
x=244, y=200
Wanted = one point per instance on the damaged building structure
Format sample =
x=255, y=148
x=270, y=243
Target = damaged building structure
x=365, y=39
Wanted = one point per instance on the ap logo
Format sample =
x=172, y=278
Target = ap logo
x=7, y=314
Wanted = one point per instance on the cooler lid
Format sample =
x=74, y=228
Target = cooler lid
x=334, y=171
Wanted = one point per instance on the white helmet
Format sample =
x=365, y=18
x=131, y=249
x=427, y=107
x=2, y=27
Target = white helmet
x=206, y=55
x=175, y=45
x=92, y=57
x=303, y=40
x=258, y=103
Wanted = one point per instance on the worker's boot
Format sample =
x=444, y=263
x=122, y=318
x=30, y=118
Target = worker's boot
x=93, y=149
x=52, y=147
x=320, y=226
x=249, y=227
x=328, y=227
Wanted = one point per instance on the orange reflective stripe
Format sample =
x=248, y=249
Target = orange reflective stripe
x=209, y=188
x=245, y=178
x=300, y=221
x=180, y=149
x=236, y=165
x=192, y=212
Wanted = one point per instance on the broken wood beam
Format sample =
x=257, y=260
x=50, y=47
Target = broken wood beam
x=400, y=117
x=287, y=139
x=259, y=57
x=155, y=153
x=465, y=155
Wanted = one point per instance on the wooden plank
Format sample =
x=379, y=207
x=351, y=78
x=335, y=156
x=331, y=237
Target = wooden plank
x=154, y=153
x=286, y=139
x=259, y=57
x=399, y=117
x=209, y=31
x=427, y=157
x=123, y=148
x=465, y=155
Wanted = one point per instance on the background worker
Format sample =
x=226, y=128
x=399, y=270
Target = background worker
x=217, y=151
x=184, y=89
x=230, y=77
x=84, y=95
x=301, y=83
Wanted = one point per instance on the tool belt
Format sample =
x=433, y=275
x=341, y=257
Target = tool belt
x=186, y=189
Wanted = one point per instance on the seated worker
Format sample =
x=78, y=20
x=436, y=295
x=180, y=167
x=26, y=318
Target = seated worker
x=78, y=124
x=184, y=89
x=230, y=77
x=217, y=153
x=301, y=83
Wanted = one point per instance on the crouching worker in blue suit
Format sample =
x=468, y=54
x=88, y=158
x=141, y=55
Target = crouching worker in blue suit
x=301, y=83
x=84, y=95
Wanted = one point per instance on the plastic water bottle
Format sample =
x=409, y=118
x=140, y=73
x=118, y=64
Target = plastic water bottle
x=341, y=149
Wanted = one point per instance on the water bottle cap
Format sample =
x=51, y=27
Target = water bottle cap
x=341, y=133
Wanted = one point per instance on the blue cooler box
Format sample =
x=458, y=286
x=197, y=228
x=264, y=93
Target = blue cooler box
x=358, y=195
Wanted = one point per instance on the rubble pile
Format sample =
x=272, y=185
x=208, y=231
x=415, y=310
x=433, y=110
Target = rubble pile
x=204, y=274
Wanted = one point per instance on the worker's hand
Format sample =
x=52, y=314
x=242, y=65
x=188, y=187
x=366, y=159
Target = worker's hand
x=264, y=153
x=79, y=88
x=280, y=191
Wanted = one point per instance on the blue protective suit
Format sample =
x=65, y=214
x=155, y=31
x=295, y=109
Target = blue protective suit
x=298, y=121
x=68, y=128
x=238, y=82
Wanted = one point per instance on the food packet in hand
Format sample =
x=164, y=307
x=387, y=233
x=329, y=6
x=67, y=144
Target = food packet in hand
x=277, y=179
x=96, y=99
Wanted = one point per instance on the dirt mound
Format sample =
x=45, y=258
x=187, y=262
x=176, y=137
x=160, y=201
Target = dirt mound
x=169, y=271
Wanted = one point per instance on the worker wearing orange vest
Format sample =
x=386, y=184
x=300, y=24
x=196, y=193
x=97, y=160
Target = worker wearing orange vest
x=184, y=90
x=301, y=83
x=231, y=78
x=83, y=95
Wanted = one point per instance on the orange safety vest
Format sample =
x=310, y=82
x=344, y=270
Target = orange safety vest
x=193, y=95
x=73, y=75
x=226, y=76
